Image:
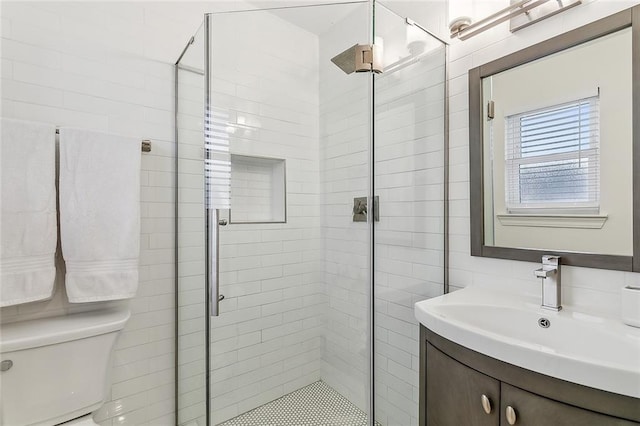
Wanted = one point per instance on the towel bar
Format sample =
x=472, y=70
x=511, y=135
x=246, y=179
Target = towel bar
x=145, y=146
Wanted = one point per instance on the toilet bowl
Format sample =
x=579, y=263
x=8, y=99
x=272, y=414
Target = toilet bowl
x=56, y=370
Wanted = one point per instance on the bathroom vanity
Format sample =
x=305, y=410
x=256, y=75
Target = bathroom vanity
x=464, y=387
x=490, y=358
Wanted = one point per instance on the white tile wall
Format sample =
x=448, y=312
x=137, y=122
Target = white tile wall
x=344, y=174
x=97, y=66
x=108, y=67
x=257, y=189
x=409, y=237
x=588, y=289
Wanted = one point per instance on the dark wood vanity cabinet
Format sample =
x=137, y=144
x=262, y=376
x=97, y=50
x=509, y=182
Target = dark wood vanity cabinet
x=461, y=387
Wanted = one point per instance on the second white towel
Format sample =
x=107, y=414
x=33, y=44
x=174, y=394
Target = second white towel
x=99, y=214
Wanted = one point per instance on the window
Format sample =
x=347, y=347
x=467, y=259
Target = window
x=552, y=159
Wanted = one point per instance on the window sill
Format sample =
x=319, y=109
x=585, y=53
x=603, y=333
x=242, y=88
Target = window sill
x=553, y=220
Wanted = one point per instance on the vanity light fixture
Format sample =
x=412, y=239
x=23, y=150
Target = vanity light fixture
x=521, y=14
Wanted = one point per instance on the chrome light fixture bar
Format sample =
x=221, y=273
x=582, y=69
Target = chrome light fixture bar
x=543, y=12
x=527, y=12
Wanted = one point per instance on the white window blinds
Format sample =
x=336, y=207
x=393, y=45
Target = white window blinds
x=552, y=159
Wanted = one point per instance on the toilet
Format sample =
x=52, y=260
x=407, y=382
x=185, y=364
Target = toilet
x=56, y=370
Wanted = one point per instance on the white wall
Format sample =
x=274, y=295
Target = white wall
x=344, y=171
x=588, y=289
x=108, y=67
x=257, y=189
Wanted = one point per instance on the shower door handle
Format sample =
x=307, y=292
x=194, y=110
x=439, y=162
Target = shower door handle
x=212, y=268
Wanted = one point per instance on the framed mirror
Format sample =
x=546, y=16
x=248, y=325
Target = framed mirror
x=554, y=133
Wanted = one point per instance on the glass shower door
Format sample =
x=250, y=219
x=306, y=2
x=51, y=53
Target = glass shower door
x=280, y=329
x=293, y=268
x=272, y=335
x=409, y=175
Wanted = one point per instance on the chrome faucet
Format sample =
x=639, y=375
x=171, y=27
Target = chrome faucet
x=550, y=275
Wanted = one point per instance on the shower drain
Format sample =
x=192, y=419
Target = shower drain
x=544, y=323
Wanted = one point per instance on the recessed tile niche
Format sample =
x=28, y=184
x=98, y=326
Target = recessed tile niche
x=258, y=190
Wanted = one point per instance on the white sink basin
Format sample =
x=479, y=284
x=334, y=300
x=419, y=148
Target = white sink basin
x=594, y=351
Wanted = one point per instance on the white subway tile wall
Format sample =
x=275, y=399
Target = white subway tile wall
x=588, y=289
x=56, y=67
x=296, y=293
x=409, y=171
x=108, y=67
x=104, y=66
x=107, y=84
x=257, y=189
x=344, y=174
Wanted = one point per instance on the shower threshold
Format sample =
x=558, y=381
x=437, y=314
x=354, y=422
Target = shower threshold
x=317, y=404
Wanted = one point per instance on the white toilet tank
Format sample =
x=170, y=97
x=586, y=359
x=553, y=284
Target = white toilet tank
x=56, y=369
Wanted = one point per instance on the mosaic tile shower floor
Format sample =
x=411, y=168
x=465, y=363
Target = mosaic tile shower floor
x=315, y=405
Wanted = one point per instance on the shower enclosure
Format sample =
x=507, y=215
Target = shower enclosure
x=310, y=214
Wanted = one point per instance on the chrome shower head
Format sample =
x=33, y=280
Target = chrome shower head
x=359, y=58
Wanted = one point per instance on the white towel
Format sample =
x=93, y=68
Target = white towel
x=28, y=229
x=99, y=214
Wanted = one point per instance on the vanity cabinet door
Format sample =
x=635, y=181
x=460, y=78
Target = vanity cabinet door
x=454, y=393
x=534, y=410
